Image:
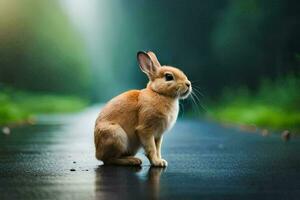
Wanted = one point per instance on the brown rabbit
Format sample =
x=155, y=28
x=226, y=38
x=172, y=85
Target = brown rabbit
x=138, y=118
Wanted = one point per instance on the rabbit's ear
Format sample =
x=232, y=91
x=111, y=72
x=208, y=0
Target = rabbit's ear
x=146, y=64
x=154, y=59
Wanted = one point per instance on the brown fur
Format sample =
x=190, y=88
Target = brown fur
x=138, y=118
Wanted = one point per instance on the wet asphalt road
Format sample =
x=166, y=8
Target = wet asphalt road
x=206, y=161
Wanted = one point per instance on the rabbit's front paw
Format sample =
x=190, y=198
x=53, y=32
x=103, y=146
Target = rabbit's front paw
x=159, y=163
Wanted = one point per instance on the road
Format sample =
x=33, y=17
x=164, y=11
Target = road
x=206, y=161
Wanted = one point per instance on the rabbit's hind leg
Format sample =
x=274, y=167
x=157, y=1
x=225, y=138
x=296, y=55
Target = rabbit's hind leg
x=127, y=160
x=110, y=140
x=111, y=143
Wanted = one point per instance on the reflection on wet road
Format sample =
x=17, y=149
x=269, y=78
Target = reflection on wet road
x=205, y=161
x=127, y=182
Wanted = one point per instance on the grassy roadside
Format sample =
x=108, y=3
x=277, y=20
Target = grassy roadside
x=276, y=105
x=20, y=106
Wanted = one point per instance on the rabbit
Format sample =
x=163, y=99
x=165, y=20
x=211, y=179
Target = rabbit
x=138, y=118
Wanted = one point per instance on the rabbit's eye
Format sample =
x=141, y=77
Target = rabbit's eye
x=169, y=77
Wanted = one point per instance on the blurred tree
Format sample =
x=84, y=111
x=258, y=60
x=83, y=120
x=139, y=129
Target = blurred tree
x=40, y=50
x=256, y=40
x=216, y=42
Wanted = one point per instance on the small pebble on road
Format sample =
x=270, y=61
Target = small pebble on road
x=6, y=130
x=264, y=132
x=286, y=135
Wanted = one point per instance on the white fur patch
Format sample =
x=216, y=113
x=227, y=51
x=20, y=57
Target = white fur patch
x=173, y=116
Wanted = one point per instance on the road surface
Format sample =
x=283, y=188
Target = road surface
x=55, y=160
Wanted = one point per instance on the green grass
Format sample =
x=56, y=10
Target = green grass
x=20, y=106
x=276, y=105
